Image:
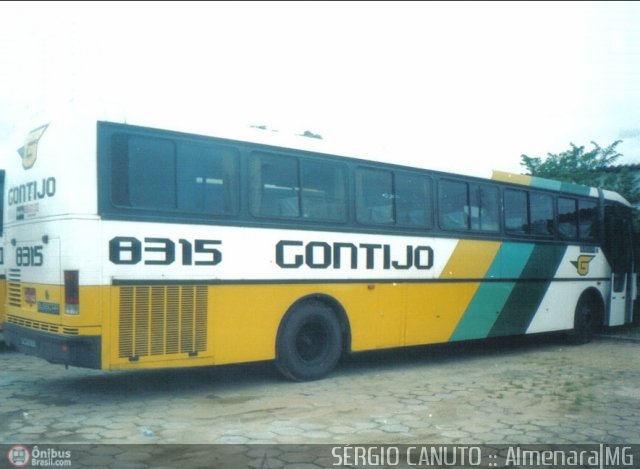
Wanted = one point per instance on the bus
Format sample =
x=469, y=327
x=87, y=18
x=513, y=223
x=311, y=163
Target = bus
x=131, y=246
x=3, y=276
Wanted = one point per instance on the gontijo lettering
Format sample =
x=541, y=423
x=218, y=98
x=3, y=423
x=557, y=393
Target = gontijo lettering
x=34, y=190
x=322, y=255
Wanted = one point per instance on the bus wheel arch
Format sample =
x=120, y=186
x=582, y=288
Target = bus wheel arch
x=588, y=315
x=313, y=335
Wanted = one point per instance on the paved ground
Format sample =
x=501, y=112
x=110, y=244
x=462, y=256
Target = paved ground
x=518, y=391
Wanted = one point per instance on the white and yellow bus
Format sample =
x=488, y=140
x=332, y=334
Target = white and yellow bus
x=3, y=276
x=133, y=247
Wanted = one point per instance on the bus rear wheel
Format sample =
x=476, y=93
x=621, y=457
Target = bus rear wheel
x=309, y=342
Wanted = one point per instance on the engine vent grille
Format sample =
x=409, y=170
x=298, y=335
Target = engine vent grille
x=37, y=325
x=14, y=297
x=162, y=320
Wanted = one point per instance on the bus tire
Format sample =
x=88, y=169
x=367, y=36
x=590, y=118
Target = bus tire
x=309, y=342
x=584, y=321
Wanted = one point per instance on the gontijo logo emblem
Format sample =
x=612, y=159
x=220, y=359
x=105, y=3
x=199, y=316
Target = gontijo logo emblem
x=582, y=264
x=29, y=152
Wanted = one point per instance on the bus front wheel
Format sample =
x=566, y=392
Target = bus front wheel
x=309, y=342
x=584, y=322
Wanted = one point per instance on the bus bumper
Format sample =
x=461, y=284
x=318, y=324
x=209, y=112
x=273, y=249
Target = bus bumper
x=81, y=351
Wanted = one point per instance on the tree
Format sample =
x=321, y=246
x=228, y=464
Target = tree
x=589, y=168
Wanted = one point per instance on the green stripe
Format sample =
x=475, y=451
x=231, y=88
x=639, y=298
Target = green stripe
x=543, y=183
x=526, y=296
x=575, y=189
x=553, y=185
x=490, y=298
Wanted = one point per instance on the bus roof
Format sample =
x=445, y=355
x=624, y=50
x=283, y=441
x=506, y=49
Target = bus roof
x=555, y=185
x=302, y=143
x=298, y=142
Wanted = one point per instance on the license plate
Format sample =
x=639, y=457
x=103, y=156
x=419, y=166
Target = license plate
x=28, y=343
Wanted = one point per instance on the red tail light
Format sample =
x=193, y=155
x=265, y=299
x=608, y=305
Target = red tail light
x=71, y=292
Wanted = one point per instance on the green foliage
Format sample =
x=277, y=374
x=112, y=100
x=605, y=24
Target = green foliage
x=624, y=183
x=590, y=168
x=574, y=165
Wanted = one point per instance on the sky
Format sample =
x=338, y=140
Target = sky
x=457, y=86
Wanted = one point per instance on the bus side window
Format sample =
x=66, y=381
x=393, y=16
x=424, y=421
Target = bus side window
x=484, y=207
x=208, y=179
x=541, y=210
x=452, y=202
x=374, y=196
x=274, y=187
x=588, y=219
x=324, y=191
x=414, y=204
x=567, y=218
x=149, y=173
x=516, y=220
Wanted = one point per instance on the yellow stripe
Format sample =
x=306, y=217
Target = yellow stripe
x=471, y=259
x=91, y=303
x=3, y=299
x=436, y=309
x=243, y=320
x=513, y=178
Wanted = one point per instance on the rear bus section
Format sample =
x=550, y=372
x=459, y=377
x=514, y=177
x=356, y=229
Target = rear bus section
x=3, y=274
x=3, y=295
x=45, y=314
x=51, y=229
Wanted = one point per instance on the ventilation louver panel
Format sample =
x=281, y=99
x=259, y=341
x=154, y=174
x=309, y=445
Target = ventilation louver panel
x=162, y=320
x=14, y=296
